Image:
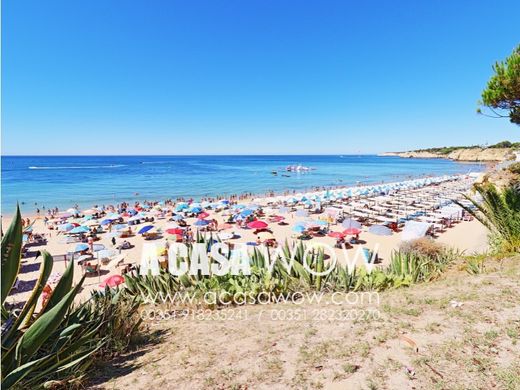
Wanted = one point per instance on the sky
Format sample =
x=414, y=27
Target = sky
x=249, y=76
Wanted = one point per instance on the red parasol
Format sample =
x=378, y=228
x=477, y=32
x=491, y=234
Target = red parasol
x=257, y=225
x=351, y=231
x=175, y=231
x=112, y=281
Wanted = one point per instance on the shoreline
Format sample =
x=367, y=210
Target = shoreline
x=250, y=197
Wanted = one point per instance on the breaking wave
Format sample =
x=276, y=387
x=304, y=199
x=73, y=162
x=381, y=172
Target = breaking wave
x=81, y=167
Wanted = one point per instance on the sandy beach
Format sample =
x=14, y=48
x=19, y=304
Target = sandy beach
x=468, y=236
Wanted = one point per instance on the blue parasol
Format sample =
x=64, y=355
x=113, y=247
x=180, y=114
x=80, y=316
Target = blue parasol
x=145, y=229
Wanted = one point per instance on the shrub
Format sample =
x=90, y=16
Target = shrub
x=423, y=246
x=514, y=168
x=55, y=346
x=499, y=211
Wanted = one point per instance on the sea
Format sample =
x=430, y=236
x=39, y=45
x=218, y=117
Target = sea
x=63, y=181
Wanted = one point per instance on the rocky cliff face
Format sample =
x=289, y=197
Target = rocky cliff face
x=476, y=154
x=490, y=154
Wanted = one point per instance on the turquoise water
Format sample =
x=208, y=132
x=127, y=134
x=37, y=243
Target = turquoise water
x=63, y=181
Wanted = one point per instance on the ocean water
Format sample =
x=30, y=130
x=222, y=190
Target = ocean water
x=62, y=181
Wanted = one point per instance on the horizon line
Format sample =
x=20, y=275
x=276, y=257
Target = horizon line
x=190, y=155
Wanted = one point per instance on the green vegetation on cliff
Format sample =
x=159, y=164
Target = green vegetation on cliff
x=445, y=150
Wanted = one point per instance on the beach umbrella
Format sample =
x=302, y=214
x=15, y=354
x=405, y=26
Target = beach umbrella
x=298, y=228
x=195, y=210
x=79, y=230
x=203, y=215
x=181, y=206
x=112, y=281
x=224, y=201
x=106, y=222
x=277, y=218
x=350, y=223
x=177, y=217
x=302, y=213
x=351, y=231
x=380, y=230
x=246, y=213
x=283, y=210
x=65, y=227
x=145, y=229
x=257, y=225
x=97, y=247
x=176, y=231
x=121, y=226
x=336, y=234
x=201, y=222
x=80, y=248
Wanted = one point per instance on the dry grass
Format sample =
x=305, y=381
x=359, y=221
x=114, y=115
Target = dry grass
x=423, y=246
x=420, y=341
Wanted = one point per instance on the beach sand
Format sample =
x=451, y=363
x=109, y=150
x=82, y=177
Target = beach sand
x=467, y=236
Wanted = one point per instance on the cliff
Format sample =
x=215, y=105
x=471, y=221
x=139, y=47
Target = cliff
x=462, y=154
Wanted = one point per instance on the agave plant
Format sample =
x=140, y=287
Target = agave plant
x=26, y=335
x=499, y=211
x=52, y=346
x=405, y=269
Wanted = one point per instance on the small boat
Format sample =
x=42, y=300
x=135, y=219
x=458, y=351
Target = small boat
x=297, y=168
x=274, y=173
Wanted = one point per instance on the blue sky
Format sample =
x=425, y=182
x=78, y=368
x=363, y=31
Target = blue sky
x=249, y=77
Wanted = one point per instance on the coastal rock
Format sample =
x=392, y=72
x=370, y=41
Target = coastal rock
x=462, y=154
x=490, y=154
